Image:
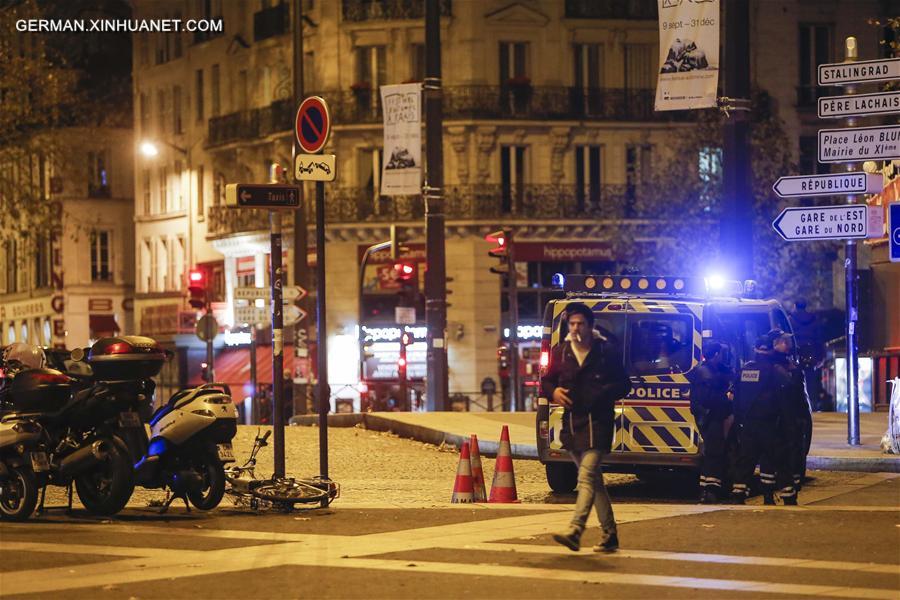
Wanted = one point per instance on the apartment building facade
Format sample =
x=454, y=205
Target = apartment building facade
x=549, y=130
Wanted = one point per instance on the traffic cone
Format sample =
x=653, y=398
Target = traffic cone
x=462, y=487
x=480, y=494
x=503, y=488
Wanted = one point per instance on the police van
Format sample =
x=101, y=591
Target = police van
x=660, y=324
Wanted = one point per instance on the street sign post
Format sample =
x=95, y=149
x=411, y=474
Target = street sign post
x=894, y=231
x=829, y=185
x=312, y=124
x=861, y=71
x=314, y=167
x=859, y=105
x=859, y=144
x=261, y=195
x=207, y=328
x=822, y=223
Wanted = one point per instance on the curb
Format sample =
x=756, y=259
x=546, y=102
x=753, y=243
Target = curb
x=420, y=433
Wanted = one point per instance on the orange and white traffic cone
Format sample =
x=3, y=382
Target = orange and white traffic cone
x=462, y=487
x=480, y=494
x=503, y=488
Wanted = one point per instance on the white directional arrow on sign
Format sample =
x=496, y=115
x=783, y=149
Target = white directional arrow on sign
x=834, y=184
x=293, y=315
x=822, y=223
x=294, y=293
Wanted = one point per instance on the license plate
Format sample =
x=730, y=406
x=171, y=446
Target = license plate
x=129, y=419
x=39, y=462
x=225, y=452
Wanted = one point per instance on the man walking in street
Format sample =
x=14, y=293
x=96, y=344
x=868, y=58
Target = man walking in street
x=711, y=407
x=586, y=377
x=763, y=411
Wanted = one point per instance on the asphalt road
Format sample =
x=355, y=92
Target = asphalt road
x=393, y=534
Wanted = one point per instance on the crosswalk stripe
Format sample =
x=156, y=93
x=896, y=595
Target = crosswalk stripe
x=730, y=585
x=800, y=563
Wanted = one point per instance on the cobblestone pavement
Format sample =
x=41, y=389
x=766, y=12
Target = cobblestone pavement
x=381, y=467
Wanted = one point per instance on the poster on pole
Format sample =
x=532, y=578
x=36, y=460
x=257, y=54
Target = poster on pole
x=401, y=164
x=688, y=54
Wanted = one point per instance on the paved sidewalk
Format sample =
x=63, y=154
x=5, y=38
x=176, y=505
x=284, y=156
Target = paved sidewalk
x=829, y=452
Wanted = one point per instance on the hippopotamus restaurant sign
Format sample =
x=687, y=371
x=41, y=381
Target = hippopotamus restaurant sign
x=688, y=54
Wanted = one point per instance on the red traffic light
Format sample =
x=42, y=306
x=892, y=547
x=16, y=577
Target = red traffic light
x=502, y=239
x=406, y=338
x=197, y=289
x=405, y=271
x=196, y=276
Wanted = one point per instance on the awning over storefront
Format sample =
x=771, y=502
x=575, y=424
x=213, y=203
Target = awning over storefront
x=103, y=326
x=233, y=366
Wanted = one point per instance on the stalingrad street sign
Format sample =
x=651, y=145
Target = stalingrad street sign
x=822, y=223
x=262, y=195
x=859, y=105
x=859, y=144
x=859, y=71
x=829, y=185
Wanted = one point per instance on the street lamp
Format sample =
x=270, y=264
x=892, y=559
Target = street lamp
x=150, y=149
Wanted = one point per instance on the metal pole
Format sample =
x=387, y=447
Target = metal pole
x=275, y=275
x=210, y=367
x=254, y=379
x=516, y=402
x=301, y=266
x=736, y=234
x=851, y=279
x=433, y=192
x=321, y=332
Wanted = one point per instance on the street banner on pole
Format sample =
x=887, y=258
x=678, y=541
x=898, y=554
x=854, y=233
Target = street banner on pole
x=857, y=144
x=401, y=172
x=688, y=54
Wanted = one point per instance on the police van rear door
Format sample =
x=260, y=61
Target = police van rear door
x=663, y=342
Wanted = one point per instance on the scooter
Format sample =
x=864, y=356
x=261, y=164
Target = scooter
x=21, y=460
x=190, y=442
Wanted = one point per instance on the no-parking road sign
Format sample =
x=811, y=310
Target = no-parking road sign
x=313, y=124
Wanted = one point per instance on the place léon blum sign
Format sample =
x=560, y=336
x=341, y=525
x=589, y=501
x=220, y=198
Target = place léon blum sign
x=858, y=144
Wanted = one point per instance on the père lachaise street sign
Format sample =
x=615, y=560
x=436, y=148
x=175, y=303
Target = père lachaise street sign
x=859, y=105
x=845, y=222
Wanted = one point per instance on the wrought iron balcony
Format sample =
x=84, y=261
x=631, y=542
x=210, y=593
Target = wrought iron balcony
x=224, y=220
x=363, y=105
x=271, y=21
x=380, y=10
x=611, y=9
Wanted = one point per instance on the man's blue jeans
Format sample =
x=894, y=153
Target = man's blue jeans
x=592, y=492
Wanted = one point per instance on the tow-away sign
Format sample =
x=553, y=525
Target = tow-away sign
x=823, y=223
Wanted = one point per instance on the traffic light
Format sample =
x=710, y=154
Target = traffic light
x=406, y=275
x=502, y=239
x=197, y=289
x=406, y=339
x=405, y=271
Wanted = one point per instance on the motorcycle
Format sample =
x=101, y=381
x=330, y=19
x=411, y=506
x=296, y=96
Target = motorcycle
x=79, y=449
x=20, y=461
x=189, y=445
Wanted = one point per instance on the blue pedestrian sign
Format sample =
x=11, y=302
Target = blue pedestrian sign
x=894, y=231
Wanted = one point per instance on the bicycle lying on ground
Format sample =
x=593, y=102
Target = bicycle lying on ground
x=281, y=493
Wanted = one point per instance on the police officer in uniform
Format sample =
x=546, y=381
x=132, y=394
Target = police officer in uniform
x=797, y=430
x=763, y=411
x=711, y=407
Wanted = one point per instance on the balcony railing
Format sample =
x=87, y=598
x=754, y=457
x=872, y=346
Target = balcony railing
x=270, y=22
x=462, y=202
x=611, y=9
x=380, y=10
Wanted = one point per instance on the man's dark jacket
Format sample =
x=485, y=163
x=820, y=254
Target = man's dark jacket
x=594, y=388
x=709, y=386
